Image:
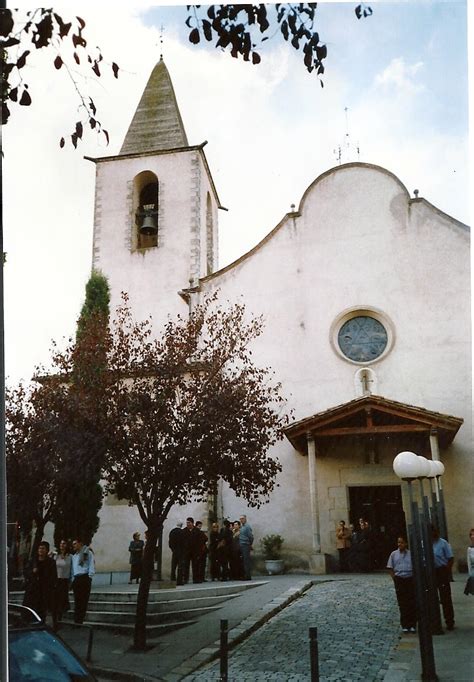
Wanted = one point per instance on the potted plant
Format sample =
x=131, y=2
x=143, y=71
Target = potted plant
x=271, y=546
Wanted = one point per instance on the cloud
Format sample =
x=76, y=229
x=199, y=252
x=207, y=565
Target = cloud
x=401, y=76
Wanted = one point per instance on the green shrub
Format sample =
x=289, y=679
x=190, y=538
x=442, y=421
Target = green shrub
x=271, y=546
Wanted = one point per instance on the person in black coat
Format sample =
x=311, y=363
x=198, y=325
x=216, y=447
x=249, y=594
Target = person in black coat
x=175, y=545
x=191, y=544
x=224, y=548
x=214, y=539
x=201, y=540
x=41, y=578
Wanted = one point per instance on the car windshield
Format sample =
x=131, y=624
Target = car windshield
x=38, y=656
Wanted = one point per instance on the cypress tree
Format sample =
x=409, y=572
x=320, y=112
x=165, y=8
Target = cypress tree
x=80, y=500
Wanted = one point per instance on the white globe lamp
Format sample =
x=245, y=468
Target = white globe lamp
x=424, y=467
x=406, y=466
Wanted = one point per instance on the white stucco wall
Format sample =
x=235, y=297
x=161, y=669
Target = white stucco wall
x=357, y=241
x=360, y=242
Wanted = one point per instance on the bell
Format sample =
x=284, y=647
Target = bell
x=149, y=226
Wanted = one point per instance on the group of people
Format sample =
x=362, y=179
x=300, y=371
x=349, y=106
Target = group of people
x=401, y=570
x=49, y=577
x=227, y=549
x=355, y=547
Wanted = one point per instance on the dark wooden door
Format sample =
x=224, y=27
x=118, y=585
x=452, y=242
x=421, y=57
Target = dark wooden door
x=382, y=507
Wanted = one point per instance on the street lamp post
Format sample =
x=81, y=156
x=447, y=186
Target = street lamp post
x=409, y=467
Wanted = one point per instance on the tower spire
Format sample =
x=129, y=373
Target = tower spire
x=157, y=123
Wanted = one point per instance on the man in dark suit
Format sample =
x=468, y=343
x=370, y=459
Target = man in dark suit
x=190, y=537
x=175, y=544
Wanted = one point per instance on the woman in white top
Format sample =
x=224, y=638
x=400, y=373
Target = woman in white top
x=469, y=589
x=64, y=571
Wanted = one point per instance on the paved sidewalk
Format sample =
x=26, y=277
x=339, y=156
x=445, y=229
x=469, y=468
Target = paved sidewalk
x=453, y=651
x=358, y=633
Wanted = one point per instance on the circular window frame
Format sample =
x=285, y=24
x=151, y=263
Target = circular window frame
x=362, y=311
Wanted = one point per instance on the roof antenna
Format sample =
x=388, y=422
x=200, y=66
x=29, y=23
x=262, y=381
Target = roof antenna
x=162, y=31
x=347, y=151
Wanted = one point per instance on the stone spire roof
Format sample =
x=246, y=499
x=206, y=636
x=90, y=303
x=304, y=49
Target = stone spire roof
x=157, y=123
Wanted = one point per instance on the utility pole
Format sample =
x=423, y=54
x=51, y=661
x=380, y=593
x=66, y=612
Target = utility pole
x=3, y=467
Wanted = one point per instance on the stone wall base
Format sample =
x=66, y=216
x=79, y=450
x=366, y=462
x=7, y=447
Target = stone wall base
x=318, y=563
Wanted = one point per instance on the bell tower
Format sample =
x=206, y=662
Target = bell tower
x=155, y=219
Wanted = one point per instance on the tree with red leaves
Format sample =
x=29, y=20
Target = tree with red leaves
x=186, y=410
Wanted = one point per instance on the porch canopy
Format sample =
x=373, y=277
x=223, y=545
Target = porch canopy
x=373, y=415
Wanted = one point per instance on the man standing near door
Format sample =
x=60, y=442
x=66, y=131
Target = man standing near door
x=401, y=570
x=443, y=561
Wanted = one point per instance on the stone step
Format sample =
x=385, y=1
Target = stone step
x=127, y=629
x=124, y=618
x=184, y=592
x=161, y=606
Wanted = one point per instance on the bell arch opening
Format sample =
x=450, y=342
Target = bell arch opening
x=145, y=210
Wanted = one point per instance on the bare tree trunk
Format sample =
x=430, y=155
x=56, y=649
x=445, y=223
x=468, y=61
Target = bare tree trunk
x=139, y=641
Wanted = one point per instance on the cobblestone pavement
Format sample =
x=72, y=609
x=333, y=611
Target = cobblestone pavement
x=358, y=625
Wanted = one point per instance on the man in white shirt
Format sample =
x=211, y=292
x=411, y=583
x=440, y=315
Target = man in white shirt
x=401, y=570
x=83, y=568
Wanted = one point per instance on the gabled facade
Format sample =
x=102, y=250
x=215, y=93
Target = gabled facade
x=365, y=295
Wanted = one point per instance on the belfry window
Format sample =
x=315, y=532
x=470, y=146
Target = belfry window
x=146, y=191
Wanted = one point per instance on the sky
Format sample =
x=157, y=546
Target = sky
x=271, y=130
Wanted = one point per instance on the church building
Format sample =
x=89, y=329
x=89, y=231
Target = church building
x=364, y=290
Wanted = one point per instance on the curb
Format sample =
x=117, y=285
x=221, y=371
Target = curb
x=110, y=674
x=240, y=632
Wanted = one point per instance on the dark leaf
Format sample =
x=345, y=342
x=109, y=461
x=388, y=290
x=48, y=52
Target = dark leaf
x=82, y=23
x=13, y=94
x=368, y=12
x=308, y=59
x=58, y=62
x=256, y=59
x=95, y=68
x=25, y=99
x=211, y=12
x=6, y=22
x=63, y=28
x=76, y=58
x=74, y=140
x=9, y=42
x=5, y=113
x=79, y=129
x=194, y=37
x=284, y=29
x=322, y=52
x=92, y=106
x=106, y=136
x=358, y=11
x=22, y=61
x=295, y=42
x=78, y=41
x=92, y=123
x=44, y=31
x=62, y=142
x=115, y=69
x=207, y=30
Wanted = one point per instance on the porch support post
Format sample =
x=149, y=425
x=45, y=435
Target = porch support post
x=434, y=445
x=318, y=561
